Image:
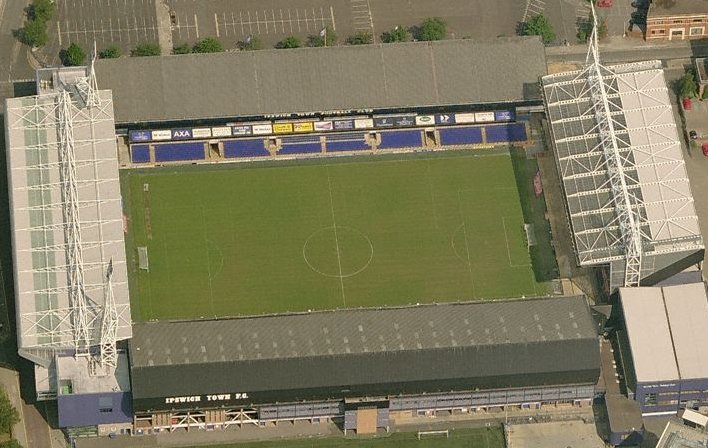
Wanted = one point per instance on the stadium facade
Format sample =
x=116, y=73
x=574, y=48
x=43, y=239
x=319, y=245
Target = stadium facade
x=666, y=359
x=468, y=357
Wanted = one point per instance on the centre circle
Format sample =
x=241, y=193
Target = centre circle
x=338, y=251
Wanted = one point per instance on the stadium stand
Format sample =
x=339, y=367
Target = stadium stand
x=513, y=132
x=461, y=136
x=252, y=147
x=401, y=139
x=446, y=356
x=140, y=153
x=172, y=152
x=306, y=144
x=350, y=141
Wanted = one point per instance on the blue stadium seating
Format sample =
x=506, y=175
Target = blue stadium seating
x=401, y=139
x=250, y=147
x=348, y=141
x=512, y=132
x=172, y=152
x=461, y=136
x=140, y=153
x=305, y=144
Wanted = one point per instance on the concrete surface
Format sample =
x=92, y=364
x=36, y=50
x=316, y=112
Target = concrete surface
x=573, y=434
x=10, y=380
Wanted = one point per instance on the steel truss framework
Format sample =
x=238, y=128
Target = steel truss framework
x=621, y=165
x=66, y=224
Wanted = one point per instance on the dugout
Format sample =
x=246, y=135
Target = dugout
x=454, y=356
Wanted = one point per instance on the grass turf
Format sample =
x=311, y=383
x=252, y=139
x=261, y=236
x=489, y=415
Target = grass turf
x=253, y=239
x=458, y=438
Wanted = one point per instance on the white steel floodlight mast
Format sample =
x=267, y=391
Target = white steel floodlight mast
x=72, y=229
x=625, y=203
x=109, y=324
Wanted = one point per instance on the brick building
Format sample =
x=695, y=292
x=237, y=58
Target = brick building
x=677, y=20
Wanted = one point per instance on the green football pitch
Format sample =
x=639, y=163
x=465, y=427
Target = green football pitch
x=492, y=437
x=249, y=239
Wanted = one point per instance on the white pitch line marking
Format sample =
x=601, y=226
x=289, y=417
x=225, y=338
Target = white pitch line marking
x=336, y=239
x=196, y=26
x=226, y=29
x=59, y=33
x=216, y=24
x=331, y=16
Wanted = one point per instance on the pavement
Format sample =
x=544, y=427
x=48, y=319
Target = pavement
x=10, y=380
x=14, y=55
x=576, y=434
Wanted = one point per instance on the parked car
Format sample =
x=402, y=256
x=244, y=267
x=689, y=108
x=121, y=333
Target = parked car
x=693, y=134
x=704, y=148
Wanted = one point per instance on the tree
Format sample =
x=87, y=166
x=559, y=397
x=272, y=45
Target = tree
x=251, y=43
x=328, y=36
x=34, y=33
x=687, y=85
x=182, y=49
x=146, y=49
x=433, y=28
x=208, y=45
x=361, y=38
x=41, y=10
x=110, y=53
x=397, y=34
x=72, y=56
x=539, y=26
x=289, y=42
x=585, y=29
x=8, y=414
x=12, y=443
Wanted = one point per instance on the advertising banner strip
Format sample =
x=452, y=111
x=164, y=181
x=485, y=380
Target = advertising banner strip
x=221, y=131
x=445, y=119
x=425, y=120
x=262, y=129
x=484, y=117
x=282, y=128
x=139, y=136
x=242, y=129
x=343, y=124
x=303, y=127
x=464, y=118
x=363, y=123
x=504, y=115
x=201, y=132
x=181, y=134
x=323, y=126
x=163, y=134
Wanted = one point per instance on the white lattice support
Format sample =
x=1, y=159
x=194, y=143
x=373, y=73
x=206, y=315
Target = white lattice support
x=615, y=164
x=88, y=86
x=109, y=325
x=72, y=229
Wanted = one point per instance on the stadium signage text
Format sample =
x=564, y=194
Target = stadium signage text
x=333, y=124
x=208, y=398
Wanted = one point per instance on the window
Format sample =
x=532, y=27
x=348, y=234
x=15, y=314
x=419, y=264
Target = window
x=697, y=20
x=667, y=402
x=105, y=404
x=662, y=31
x=678, y=21
x=697, y=31
x=650, y=399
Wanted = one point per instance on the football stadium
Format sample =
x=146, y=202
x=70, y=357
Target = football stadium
x=346, y=239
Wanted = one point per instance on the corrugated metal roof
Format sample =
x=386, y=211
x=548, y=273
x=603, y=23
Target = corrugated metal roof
x=649, y=334
x=372, y=351
x=687, y=311
x=198, y=86
x=366, y=331
x=667, y=329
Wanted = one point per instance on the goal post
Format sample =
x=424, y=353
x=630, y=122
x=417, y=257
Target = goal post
x=430, y=434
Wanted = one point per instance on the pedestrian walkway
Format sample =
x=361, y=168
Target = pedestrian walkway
x=10, y=380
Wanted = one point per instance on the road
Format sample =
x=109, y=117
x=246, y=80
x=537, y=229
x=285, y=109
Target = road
x=15, y=65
